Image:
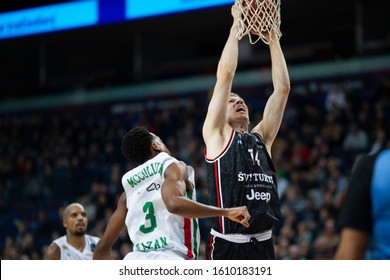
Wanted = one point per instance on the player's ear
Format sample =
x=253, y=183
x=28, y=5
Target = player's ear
x=156, y=147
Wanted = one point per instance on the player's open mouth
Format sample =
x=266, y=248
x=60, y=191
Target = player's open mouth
x=240, y=109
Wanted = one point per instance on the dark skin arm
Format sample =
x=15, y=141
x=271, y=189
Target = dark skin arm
x=114, y=226
x=353, y=244
x=173, y=192
x=53, y=252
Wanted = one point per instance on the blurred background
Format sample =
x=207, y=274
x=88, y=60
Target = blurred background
x=76, y=75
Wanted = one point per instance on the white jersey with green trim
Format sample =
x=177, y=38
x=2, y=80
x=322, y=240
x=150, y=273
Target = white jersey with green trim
x=151, y=227
x=68, y=252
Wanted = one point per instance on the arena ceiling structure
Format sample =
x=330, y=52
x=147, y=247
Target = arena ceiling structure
x=180, y=44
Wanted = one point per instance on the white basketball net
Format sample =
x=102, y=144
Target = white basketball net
x=259, y=17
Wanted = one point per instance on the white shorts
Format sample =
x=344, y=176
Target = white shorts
x=153, y=255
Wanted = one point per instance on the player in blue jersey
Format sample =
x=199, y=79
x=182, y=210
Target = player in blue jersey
x=365, y=210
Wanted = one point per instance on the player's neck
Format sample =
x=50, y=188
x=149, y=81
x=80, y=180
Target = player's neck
x=77, y=242
x=240, y=128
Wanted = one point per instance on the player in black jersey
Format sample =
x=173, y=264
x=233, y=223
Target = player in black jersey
x=240, y=169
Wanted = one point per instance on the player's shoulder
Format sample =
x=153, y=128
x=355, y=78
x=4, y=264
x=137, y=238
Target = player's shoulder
x=181, y=165
x=365, y=160
x=60, y=240
x=53, y=252
x=92, y=238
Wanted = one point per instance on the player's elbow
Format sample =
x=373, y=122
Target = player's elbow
x=176, y=204
x=284, y=88
x=172, y=206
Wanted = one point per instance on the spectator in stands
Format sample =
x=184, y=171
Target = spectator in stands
x=355, y=142
x=336, y=98
x=326, y=242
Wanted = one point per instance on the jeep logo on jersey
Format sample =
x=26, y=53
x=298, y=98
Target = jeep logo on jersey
x=259, y=196
x=153, y=187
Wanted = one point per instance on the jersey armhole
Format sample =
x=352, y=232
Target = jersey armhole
x=223, y=151
x=257, y=135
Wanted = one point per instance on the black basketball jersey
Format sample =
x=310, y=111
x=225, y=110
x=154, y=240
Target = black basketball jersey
x=243, y=174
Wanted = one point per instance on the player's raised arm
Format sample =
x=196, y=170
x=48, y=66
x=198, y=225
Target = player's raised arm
x=215, y=122
x=276, y=104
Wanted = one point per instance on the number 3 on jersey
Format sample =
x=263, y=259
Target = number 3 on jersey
x=150, y=218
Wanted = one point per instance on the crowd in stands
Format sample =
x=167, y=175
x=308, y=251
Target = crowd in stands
x=55, y=156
